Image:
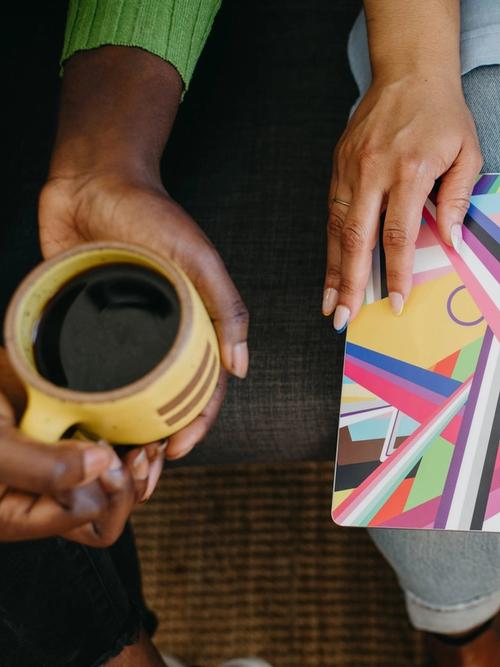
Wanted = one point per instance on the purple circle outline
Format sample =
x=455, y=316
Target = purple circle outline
x=453, y=317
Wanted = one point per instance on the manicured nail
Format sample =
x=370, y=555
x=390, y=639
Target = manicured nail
x=330, y=298
x=397, y=302
x=341, y=318
x=239, y=359
x=456, y=237
x=140, y=466
x=94, y=462
x=163, y=446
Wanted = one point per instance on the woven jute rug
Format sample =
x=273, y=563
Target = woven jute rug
x=246, y=561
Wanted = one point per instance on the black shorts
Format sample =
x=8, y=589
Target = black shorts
x=63, y=604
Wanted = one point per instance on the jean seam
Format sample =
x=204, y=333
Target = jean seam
x=450, y=609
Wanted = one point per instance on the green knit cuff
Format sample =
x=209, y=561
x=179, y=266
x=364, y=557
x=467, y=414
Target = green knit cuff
x=175, y=30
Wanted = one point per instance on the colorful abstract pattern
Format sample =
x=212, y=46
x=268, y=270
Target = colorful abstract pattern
x=419, y=427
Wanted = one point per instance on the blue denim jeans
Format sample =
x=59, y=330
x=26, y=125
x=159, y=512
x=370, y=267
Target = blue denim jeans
x=451, y=580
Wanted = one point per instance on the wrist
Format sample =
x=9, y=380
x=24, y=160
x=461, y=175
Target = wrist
x=118, y=106
x=414, y=39
x=418, y=71
x=414, y=71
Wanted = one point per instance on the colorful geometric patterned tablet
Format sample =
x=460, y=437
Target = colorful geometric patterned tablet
x=419, y=427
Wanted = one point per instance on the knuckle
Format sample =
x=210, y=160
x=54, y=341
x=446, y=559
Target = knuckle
x=368, y=159
x=395, y=276
x=87, y=504
x=460, y=203
x=61, y=474
x=333, y=273
x=396, y=235
x=353, y=237
x=349, y=287
x=335, y=225
x=457, y=198
x=412, y=167
x=238, y=312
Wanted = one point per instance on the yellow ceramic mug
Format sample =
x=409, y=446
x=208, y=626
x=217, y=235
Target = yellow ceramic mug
x=161, y=402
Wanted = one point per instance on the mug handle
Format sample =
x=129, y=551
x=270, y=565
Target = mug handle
x=44, y=419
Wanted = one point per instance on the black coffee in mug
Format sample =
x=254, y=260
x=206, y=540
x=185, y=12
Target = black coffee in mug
x=106, y=328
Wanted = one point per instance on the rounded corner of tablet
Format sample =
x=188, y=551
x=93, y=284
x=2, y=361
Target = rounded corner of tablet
x=337, y=521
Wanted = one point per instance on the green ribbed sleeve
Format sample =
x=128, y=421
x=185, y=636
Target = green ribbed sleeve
x=175, y=30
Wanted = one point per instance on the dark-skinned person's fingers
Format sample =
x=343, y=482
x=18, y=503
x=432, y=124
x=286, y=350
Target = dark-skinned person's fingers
x=358, y=238
x=181, y=443
x=119, y=489
x=146, y=465
x=226, y=310
x=155, y=471
x=35, y=467
x=197, y=256
x=401, y=227
x=139, y=466
x=25, y=516
x=453, y=197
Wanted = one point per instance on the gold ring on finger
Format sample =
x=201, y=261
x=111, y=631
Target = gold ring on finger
x=336, y=200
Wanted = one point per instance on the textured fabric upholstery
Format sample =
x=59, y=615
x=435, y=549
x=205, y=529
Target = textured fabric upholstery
x=250, y=159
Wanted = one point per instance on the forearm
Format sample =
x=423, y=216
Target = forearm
x=417, y=38
x=117, y=108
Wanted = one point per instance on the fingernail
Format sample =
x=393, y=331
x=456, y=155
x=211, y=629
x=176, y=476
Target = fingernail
x=94, y=462
x=184, y=451
x=397, y=302
x=330, y=298
x=104, y=444
x=154, y=476
x=163, y=446
x=239, y=360
x=456, y=237
x=140, y=466
x=341, y=318
x=116, y=462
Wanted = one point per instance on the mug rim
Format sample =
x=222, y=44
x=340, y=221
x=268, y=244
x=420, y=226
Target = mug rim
x=33, y=379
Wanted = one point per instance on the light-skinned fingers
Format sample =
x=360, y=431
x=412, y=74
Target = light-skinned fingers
x=358, y=238
x=181, y=443
x=453, y=197
x=401, y=228
x=336, y=217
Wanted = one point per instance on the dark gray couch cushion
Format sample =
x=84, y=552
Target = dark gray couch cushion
x=251, y=161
